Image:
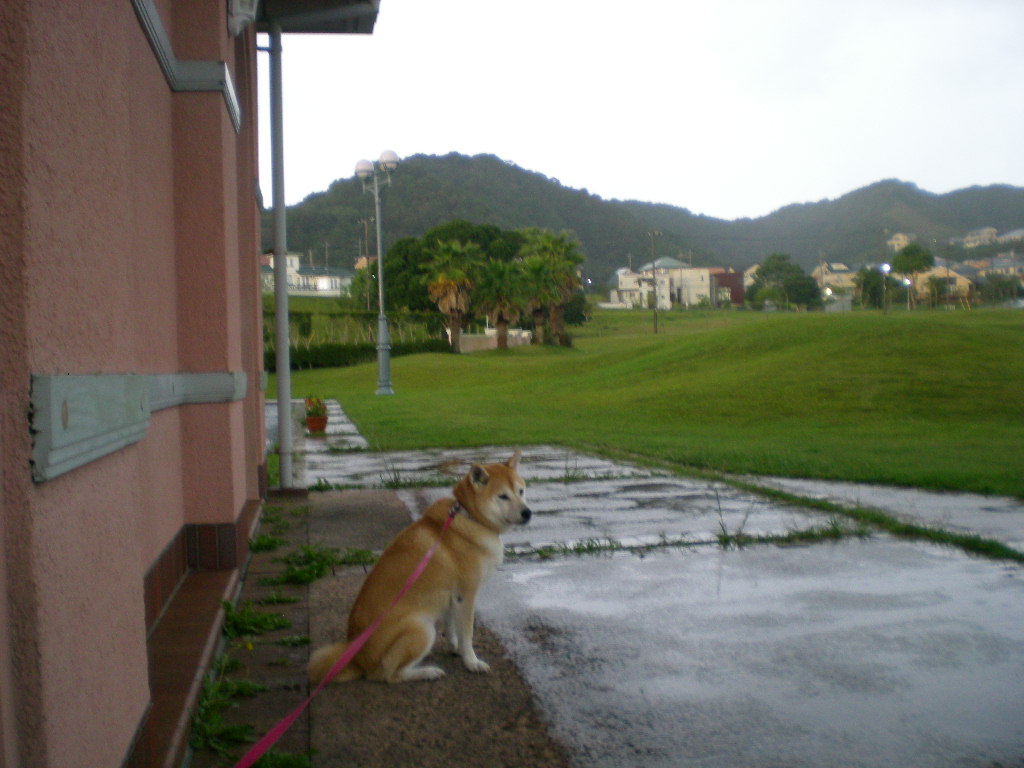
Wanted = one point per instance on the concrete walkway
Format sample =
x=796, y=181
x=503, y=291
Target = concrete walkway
x=862, y=652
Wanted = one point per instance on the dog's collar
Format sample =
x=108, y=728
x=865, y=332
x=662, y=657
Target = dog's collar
x=456, y=508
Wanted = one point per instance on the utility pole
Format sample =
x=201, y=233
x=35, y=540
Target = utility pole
x=654, y=276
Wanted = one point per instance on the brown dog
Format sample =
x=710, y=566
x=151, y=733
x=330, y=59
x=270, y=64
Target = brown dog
x=491, y=498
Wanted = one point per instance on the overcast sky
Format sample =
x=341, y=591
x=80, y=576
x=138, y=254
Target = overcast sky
x=730, y=108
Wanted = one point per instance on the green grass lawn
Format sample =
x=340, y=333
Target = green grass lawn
x=930, y=399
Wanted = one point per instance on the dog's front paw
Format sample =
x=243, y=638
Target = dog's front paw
x=476, y=665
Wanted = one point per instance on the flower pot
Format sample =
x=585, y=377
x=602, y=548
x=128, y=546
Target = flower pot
x=316, y=423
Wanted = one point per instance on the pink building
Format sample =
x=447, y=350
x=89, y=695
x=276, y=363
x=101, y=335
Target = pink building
x=131, y=440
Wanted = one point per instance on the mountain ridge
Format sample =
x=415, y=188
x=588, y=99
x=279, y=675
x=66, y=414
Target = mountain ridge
x=428, y=190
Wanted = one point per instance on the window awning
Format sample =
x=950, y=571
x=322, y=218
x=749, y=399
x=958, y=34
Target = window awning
x=319, y=16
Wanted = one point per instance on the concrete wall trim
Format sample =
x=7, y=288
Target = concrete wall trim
x=186, y=76
x=174, y=389
x=76, y=419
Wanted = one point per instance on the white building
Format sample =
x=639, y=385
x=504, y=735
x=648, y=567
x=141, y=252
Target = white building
x=669, y=280
x=308, y=281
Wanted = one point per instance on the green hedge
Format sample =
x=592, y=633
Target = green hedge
x=340, y=355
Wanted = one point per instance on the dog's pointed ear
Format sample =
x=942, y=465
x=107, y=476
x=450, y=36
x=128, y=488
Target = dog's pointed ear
x=478, y=475
x=513, y=463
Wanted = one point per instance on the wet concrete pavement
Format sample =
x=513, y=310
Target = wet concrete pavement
x=877, y=653
x=993, y=517
x=862, y=652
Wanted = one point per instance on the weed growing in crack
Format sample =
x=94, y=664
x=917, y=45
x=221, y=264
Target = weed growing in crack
x=265, y=542
x=273, y=519
x=391, y=476
x=209, y=730
x=277, y=597
x=246, y=620
x=727, y=539
x=572, y=474
x=355, y=556
x=582, y=547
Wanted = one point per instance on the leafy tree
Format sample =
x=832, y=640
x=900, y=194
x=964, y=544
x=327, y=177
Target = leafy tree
x=499, y=294
x=405, y=278
x=875, y=288
x=363, y=291
x=910, y=260
x=1000, y=288
x=576, y=310
x=938, y=290
x=496, y=243
x=563, y=256
x=802, y=290
x=450, y=281
x=782, y=281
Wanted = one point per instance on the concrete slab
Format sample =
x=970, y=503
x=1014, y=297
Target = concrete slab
x=446, y=465
x=994, y=517
x=639, y=511
x=861, y=654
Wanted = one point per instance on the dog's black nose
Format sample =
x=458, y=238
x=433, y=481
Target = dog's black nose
x=527, y=514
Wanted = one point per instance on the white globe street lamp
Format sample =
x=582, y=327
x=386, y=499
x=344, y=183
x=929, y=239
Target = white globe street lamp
x=380, y=175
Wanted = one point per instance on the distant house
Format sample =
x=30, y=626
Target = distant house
x=1012, y=236
x=834, y=275
x=982, y=236
x=957, y=284
x=749, y=274
x=899, y=241
x=308, y=281
x=1004, y=266
x=729, y=288
x=629, y=290
x=365, y=261
x=674, y=282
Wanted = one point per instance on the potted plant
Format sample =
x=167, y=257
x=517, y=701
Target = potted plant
x=316, y=414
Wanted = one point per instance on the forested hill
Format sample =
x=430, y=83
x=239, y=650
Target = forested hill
x=429, y=190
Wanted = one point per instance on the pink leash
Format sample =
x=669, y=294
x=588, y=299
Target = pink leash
x=275, y=733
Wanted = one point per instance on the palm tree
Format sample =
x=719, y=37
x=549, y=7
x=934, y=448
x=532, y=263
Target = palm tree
x=563, y=256
x=540, y=291
x=499, y=294
x=450, y=281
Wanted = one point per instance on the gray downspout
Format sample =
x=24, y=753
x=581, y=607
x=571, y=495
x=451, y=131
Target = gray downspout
x=281, y=340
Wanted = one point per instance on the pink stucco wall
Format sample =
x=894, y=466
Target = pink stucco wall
x=129, y=244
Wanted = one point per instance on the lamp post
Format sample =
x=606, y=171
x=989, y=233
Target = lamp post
x=373, y=176
x=885, y=286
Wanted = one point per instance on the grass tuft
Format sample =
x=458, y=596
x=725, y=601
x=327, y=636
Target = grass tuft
x=246, y=620
x=265, y=542
x=314, y=561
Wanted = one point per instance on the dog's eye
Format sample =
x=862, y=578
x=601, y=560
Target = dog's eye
x=522, y=491
x=503, y=496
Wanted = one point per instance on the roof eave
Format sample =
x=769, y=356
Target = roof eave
x=319, y=16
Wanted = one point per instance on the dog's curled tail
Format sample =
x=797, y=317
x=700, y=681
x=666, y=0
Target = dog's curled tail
x=323, y=659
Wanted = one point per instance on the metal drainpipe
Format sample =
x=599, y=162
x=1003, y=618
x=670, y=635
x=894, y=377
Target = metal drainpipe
x=281, y=341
